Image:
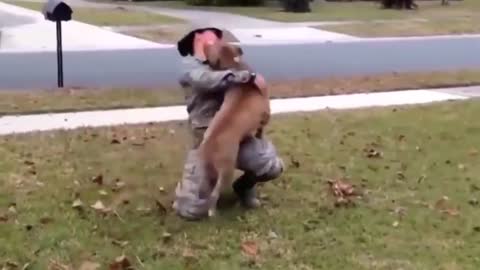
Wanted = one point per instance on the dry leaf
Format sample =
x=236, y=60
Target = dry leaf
x=98, y=179
x=29, y=162
x=443, y=206
x=46, y=220
x=102, y=192
x=161, y=208
x=250, y=248
x=294, y=162
x=99, y=206
x=472, y=202
x=161, y=189
x=395, y=224
x=12, y=208
x=115, y=141
x=166, y=236
x=118, y=185
x=77, y=204
x=372, y=153
x=342, y=191
x=120, y=243
x=272, y=235
x=461, y=167
x=120, y=263
x=55, y=265
x=3, y=217
x=473, y=152
x=11, y=264
x=87, y=265
x=188, y=253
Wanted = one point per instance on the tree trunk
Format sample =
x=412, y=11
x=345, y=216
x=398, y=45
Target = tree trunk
x=297, y=6
x=399, y=4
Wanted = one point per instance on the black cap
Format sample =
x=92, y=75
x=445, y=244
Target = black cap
x=185, y=45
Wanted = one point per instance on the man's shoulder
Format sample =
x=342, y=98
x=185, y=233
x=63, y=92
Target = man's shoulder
x=193, y=63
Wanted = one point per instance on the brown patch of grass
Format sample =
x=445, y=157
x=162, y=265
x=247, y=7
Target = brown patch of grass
x=88, y=99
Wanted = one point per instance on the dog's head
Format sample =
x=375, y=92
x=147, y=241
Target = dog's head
x=222, y=56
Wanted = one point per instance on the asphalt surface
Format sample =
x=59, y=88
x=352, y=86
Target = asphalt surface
x=157, y=67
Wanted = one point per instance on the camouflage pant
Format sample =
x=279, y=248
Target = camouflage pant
x=257, y=158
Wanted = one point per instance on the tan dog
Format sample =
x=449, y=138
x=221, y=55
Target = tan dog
x=244, y=112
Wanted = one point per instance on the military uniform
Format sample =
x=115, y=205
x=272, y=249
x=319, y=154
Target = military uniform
x=257, y=158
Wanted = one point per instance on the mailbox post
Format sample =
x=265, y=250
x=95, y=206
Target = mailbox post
x=58, y=11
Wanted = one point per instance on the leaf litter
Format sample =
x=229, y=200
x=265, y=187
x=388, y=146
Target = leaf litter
x=343, y=192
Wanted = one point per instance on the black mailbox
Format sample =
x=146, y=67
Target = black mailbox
x=57, y=10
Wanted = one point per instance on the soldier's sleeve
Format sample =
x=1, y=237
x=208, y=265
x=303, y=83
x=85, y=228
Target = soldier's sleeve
x=201, y=78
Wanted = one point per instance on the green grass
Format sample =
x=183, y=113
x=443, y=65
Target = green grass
x=345, y=11
x=428, y=152
x=41, y=101
x=465, y=25
x=107, y=16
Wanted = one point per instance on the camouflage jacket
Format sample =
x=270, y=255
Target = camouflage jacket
x=204, y=91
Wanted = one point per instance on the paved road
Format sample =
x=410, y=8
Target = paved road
x=157, y=67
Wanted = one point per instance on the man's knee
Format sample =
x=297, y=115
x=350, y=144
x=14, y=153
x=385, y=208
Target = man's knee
x=275, y=171
x=259, y=157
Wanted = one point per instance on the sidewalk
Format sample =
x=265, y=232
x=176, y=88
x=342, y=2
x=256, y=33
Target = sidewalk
x=55, y=121
x=37, y=34
x=40, y=35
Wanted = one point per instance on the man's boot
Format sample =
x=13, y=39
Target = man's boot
x=244, y=187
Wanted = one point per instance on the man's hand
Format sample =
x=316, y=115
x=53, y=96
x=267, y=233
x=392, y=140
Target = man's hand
x=243, y=76
x=249, y=77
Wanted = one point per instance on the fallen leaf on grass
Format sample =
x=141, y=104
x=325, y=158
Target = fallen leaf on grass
x=115, y=141
x=473, y=152
x=3, y=217
x=10, y=265
x=342, y=191
x=120, y=263
x=12, y=208
x=46, y=220
x=166, y=236
x=77, y=204
x=87, y=265
x=55, y=265
x=102, y=192
x=372, y=153
x=99, y=206
x=98, y=179
x=161, y=208
x=29, y=163
x=443, y=206
x=118, y=185
x=250, y=249
x=473, y=201
x=188, y=253
x=294, y=162
x=120, y=243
